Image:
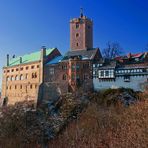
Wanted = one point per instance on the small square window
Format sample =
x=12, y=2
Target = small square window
x=32, y=67
x=77, y=35
x=89, y=27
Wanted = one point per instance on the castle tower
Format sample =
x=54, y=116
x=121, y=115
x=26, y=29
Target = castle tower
x=81, y=33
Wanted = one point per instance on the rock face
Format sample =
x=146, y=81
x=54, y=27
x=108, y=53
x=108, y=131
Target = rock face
x=127, y=99
x=48, y=92
x=115, y=96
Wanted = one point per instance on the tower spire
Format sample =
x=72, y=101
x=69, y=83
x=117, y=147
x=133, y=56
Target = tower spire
x=81, y=12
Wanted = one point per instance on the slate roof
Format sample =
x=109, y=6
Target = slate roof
x=108, y=65
x=32, y=57
x=56, y=60
x=84, y=54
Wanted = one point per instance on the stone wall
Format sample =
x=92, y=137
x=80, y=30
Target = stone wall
x=51, y=91
x=21, y=82
x=136, y=83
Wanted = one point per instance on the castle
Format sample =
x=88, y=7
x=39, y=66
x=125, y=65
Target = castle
x=37, y=75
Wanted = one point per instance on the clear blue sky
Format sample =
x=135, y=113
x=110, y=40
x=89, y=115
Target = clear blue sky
x=26, y=25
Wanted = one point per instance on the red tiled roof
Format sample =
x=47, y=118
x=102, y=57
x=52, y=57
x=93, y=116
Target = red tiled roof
x=137, y=55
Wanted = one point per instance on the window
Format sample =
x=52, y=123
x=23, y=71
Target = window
x=32, y=67
x=8, y=79
x=77, y=25
x=102, y=74
x=16, y=77
x=21, y=68
x=73, y=67
x=73, y=77
x=51, y=71
x=12, y=78
x=21, y=77
x=16, y=69
x=77, y=67
x=38, y=66
x=10, y=87
x=15, y=86
x=8, y=70
x=12, y=70
x=77, y=44
x=107, y=73
x=26, y=76
x=27, y=68
x=64, y=77
x=77, y=35
x=31, y=86
x=85, y=66
x=64, y=67
x=126, y=78
x=34, y=75
x=20, y=86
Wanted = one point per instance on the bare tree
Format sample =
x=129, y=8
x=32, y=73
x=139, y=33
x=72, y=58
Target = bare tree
x=112, y=50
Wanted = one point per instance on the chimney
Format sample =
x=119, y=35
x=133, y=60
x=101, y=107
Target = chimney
x=7, y=59
x=129, y=55
x=43, y=53
x=20, y=60
x=43, y=56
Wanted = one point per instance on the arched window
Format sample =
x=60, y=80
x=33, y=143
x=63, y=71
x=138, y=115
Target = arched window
x=16, y=77
x=34, y=75
x=8, y=78
x=31, y=86
x=64, y=77
x=12, y=78
x=21, y=77
x=26, y=76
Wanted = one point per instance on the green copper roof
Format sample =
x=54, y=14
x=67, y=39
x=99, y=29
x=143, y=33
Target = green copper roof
x=32, y=57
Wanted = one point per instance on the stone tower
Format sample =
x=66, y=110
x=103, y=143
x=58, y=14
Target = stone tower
x=81, y=33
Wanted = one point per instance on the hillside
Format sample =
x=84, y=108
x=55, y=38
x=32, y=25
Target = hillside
x=103, y=121
x=114, y=126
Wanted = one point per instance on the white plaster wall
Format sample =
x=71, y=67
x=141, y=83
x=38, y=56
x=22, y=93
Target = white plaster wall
x=136, y=83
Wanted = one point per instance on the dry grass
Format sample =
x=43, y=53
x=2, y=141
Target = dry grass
x=108, y=127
